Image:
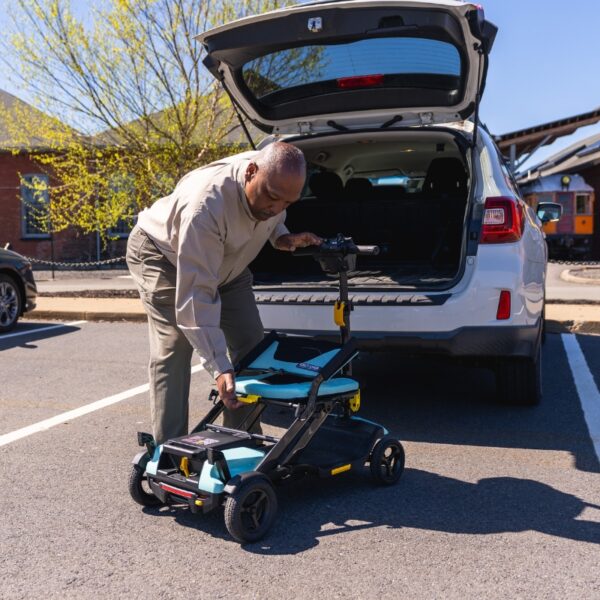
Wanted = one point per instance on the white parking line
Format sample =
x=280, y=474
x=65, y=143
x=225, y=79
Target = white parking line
x=29, y=331
x=586, y=388
x=13, y=436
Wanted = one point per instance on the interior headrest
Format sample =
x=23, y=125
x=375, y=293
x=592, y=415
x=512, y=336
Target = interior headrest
x=358, y=188
x=445, y=176
x=326, y=185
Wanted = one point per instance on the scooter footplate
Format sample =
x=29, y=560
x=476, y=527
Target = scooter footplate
x=340, y=440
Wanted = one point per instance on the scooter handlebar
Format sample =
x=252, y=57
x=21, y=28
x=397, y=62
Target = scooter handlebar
x=368, y=250
x=337, y=246
x=307, y=251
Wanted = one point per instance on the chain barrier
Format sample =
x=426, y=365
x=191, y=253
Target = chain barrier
x=76, y=265
x=121, y=259
x=576, y=263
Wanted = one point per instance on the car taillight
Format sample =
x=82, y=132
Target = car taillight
x=360, y=81
x=503, y=312
x=502, y=221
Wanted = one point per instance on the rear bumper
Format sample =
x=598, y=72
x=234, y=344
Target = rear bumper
x=466, y=341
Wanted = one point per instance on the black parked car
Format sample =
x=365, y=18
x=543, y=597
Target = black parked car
x=17, y=288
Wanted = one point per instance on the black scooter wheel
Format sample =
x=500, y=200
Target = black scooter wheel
x=251, y=509
x=387, y=461
x=139, y=488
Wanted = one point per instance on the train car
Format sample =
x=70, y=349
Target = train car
x=572, y=236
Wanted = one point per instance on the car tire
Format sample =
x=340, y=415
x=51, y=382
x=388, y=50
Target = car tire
x=519, y=380
x=11, y=303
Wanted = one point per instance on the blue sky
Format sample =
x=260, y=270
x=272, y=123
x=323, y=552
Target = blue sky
x=544, y=65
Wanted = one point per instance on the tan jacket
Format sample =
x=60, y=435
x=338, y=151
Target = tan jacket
x=205, y=228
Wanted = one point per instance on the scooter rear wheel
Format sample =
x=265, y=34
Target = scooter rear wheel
x=139, y=488
x=250, y=510
x=387, y=461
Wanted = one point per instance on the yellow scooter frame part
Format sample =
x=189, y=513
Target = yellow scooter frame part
x=339, y=309
x=249, y=399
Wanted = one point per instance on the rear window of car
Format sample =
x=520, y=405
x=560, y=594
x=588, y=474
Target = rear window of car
x=376, y=62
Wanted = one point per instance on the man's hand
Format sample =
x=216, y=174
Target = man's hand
x=226, y=389
x=291, y=241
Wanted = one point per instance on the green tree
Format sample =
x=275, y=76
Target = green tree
x=126, y=106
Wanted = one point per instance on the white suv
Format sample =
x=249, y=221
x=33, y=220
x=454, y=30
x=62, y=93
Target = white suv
x=382, y=98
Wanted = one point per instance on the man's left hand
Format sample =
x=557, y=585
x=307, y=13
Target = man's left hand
x=291, y=241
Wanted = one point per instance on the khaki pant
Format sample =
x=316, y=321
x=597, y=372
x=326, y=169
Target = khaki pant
x=170, y=351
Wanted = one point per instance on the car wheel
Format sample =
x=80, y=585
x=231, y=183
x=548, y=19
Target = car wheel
x=519, y=380
x=10, y=303
x=251, y=509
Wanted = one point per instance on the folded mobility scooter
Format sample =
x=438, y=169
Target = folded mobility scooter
x=216, y=465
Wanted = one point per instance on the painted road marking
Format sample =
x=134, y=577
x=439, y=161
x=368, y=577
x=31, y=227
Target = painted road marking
x=30, y=331
x=7, y=438
x=589, y=395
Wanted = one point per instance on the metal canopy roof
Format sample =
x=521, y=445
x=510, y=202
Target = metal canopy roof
x=577, y=157
x=527, y=140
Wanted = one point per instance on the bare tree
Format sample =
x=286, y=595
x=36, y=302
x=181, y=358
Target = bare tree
x=127, y=107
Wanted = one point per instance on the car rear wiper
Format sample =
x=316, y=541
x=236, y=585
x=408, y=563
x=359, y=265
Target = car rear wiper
x=392, y=121
x=337, y=126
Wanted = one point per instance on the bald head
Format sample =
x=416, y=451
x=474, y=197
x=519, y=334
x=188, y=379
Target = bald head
x=274, y=179
x=280, y=157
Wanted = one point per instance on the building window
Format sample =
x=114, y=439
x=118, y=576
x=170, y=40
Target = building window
x=35, y=198
x=583, y=205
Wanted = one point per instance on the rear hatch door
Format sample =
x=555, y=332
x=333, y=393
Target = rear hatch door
x=353, y=64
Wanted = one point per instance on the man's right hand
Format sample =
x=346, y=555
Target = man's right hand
x=226, y=389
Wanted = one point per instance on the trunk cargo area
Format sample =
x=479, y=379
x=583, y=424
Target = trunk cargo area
x=408, y=195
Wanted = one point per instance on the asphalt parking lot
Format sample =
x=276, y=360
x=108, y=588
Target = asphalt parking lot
x=496, y=501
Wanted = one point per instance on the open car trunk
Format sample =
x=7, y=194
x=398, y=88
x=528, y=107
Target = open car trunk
x=405, y=191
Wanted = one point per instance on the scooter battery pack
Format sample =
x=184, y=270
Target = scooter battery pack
x=195, y=445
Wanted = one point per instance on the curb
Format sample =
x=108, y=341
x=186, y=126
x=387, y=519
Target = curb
x=573, y=326
x=567, y=275
x=74, y=315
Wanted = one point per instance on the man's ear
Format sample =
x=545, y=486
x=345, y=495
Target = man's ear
x=251, y=171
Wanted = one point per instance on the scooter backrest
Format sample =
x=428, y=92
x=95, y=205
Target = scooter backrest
x=308, y=368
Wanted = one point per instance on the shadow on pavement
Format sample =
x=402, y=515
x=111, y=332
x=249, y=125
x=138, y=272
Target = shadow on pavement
x=421, y=500
x=429, y=399
x=435, y=401
x=31, y=332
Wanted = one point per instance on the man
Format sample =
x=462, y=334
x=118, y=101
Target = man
x=189, y=256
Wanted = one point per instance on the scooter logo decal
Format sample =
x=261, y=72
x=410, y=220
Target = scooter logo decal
x=198, y=440
x=315, y=24
x=308, y=367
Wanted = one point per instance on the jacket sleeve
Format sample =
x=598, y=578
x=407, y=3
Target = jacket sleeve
x=197, y=301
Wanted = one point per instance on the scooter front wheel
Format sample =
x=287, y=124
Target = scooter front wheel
x=251, y=509
x=387, y=461
x=139, y=489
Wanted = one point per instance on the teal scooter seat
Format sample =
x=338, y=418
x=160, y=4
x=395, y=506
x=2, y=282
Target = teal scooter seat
x=288, y=391
x=304, y=372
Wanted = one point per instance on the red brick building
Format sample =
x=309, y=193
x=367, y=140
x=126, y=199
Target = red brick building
x=17, y=203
